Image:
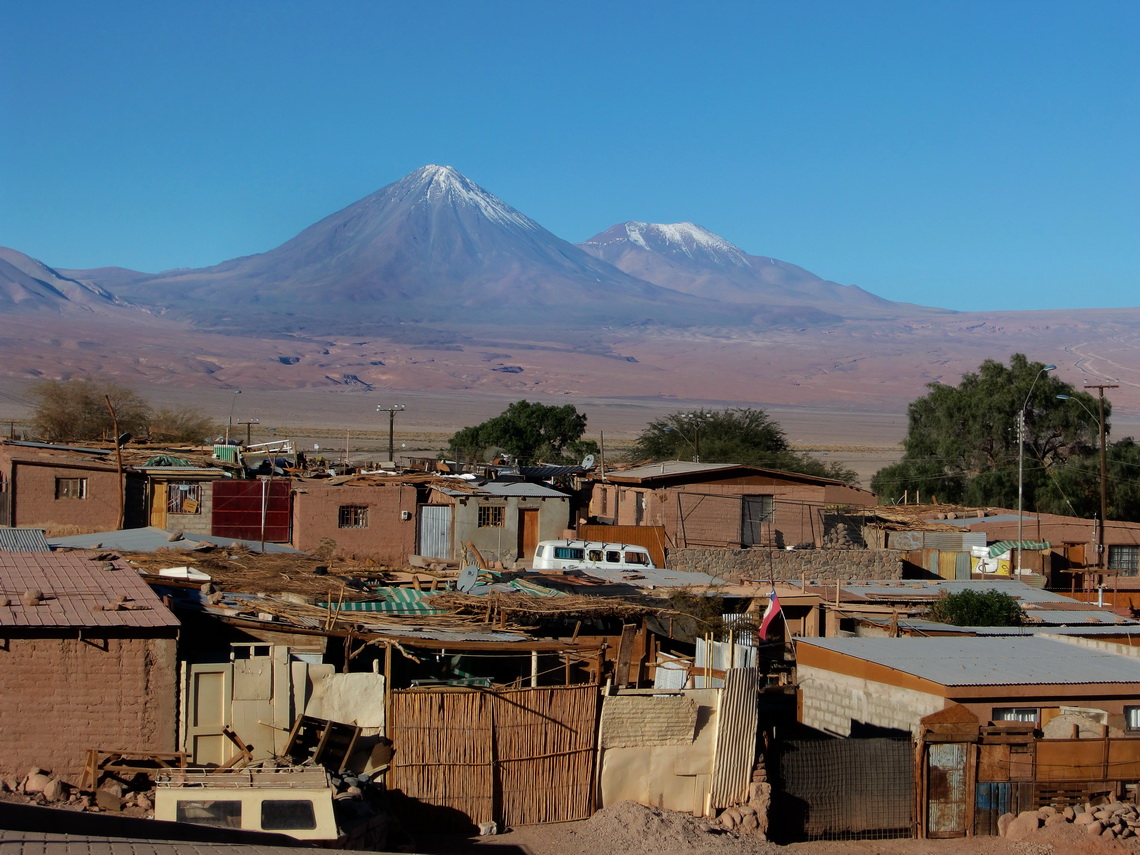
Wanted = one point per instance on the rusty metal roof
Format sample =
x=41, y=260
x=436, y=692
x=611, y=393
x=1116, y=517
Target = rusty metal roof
x=77, y=591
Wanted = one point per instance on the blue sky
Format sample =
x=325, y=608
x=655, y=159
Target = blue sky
x=971, y=155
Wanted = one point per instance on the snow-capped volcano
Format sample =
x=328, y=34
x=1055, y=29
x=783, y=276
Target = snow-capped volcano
x=691, y=259
x=433, y=245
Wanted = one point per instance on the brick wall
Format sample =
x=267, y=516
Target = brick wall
x=62, y=696
x=842, y=564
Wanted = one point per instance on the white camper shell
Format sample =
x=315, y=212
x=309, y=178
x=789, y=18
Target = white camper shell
x=586, y=555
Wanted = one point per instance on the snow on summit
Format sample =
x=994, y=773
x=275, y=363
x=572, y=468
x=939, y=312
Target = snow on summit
x=446, y=185
x=685, y=238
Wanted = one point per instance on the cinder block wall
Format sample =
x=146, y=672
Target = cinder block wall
x=757, y=563
x=833, y=702
x=62, y=696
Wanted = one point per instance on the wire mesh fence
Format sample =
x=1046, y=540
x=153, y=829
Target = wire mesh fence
x=844, y=789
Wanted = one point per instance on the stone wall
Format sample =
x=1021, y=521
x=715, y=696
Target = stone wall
x=834, y=702
x=756, y=563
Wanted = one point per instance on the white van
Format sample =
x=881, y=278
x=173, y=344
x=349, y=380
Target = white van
x=586, y=555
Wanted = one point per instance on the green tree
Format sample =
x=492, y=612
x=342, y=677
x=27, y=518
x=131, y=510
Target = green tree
x=740, y=435
x=529, y=432
x=962, y=444
x=67, y=410
x=977, y=608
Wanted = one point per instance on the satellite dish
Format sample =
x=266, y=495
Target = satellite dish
x=588, y=461
x=468, y=579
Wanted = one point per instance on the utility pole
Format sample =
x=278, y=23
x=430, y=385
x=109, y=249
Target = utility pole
x=391, y=411
x=1102, y=558
x=247, y=423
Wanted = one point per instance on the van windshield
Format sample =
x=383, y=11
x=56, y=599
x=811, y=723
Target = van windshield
x=637, y=558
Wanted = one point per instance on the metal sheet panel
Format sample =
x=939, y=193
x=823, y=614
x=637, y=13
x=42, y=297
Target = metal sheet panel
x=251, y=510
x=435, y=531
x=946, y=788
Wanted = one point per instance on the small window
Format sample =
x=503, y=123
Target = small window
x=637, y=558
x=613, y=556
x=219, y=813
x=1132, y=719
x=1027, y=714
x=539, y=550
x=594, y=555
x=352, y=516
x=569, y=553
x=71, y=488
x=288, y=815
x=183, y=498
x=491, y=516
x=1125, y=559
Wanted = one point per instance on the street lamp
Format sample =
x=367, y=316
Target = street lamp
x=1100, y=556
x=391, y=411
x=230, y=420
x=1021, y=461
x=696, y=449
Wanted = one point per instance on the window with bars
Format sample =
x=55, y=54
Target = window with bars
x=183, y=498
x=71, y=488
x=1016, y=714
x=491, y=516
x=352, y=516
x=1125, y=559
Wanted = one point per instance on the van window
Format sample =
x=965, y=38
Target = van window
x=219, y=813
x=613, y=556
x=569, y=552
x=637, y=558
x=538, y=552
x=288, y=815
x=594, y=555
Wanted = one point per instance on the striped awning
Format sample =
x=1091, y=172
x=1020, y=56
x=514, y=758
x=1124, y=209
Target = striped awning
x=1004, y=546
x=393, y=601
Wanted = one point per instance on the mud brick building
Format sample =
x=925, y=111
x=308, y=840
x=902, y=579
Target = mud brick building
x=87, y=660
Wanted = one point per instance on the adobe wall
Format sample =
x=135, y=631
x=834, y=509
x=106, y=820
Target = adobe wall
x=62, y=696
x=501, y=543
x=35, y=504
x=757, y=563
x=387, y=538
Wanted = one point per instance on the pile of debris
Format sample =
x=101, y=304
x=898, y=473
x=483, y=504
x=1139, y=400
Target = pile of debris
x=1114, y=820
x=40, y=787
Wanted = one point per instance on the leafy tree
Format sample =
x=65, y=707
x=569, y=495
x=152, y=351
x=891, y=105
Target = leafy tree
x=962, y=444
x=77, y=410
x=182, y=424
x=529, y=432
x=977, y=608
x=734, y=435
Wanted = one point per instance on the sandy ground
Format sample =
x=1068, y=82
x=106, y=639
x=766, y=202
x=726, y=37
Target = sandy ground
x=632, y=828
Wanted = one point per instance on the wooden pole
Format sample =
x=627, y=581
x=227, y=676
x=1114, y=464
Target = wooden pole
x=118, y=461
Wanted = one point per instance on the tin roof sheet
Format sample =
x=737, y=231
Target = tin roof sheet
x=75, y=591
x=988, y=661
x=23, y=540
x=151, y=539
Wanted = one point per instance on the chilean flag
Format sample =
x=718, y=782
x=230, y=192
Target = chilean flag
x=769, y=614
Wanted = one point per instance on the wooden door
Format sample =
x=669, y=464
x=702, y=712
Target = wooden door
x=208, y=706
x=158, y=504
x=528, y=534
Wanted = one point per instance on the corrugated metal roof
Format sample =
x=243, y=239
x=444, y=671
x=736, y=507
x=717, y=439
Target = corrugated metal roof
x=505, y=489
x=669, y=467
x=989, y=661
x=921, y=589
x=75, y=589
x=23, y=540
x=151, y=539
